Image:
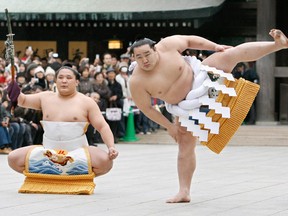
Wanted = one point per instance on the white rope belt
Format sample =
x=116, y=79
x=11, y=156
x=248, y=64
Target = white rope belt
x=207, y=81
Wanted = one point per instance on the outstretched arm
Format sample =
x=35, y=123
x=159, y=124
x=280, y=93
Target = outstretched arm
x=183, y=42
x=32, y=101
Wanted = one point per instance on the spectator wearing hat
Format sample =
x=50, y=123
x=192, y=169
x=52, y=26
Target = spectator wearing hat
x=115, y=100
x=125, y=57
x=123, y=78
x=37, y=80
x=40, y=79
x=50, y=79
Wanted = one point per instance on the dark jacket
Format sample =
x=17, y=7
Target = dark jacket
x=85, y=86
x=104, y=92
x=116, y=89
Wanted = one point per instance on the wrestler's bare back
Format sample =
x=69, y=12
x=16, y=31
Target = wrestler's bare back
x=170, y=80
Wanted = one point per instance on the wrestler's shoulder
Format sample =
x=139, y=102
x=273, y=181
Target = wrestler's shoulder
x=136, y=77
x=48, y=93
x=168, y=40
x=84, y=97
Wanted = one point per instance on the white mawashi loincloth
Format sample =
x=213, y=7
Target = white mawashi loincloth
x=64, y=150
x=203, y=94
x=64, y=135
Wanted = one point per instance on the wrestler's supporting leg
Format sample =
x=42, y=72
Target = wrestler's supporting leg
x=16, y=158
x=246, y=52
x=186, y=165
x=101, y=164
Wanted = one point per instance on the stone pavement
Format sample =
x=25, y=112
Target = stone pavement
x=245, y=179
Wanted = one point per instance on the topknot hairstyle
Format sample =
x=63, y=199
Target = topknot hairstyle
x=140, y=42
x=76, y=73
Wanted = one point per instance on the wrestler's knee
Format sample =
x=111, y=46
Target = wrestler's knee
x=103, y=168
x=187, y=144
x=100, y=161
x=14, y=161
x=186, y=138
x=11, y=158
x=106, y=164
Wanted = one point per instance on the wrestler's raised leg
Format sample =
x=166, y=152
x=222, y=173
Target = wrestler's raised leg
x=186, y=165
x=246, y=52
x=16, y=158
x=101, y=164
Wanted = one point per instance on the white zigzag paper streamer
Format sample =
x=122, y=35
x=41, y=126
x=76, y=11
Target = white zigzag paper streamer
x=217, y=106
x=207, y=121
x=197, y=131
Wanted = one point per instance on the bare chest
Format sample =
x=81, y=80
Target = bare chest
x=171, y=82
x=64, y=110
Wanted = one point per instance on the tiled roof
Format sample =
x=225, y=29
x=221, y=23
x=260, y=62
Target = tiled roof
x=109, y=9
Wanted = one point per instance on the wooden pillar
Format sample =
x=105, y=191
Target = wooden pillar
x=266, y=20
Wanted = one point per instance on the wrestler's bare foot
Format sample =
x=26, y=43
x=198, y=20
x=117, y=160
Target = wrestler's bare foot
x=179, y=198
x=279, y=37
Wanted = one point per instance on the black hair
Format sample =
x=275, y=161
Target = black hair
x=240, y=64
x=35, y=87
x=97, y=74
x=140, y=42
x=75, y=72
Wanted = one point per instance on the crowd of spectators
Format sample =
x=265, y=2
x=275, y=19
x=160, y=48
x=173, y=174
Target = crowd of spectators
x=105, y=80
